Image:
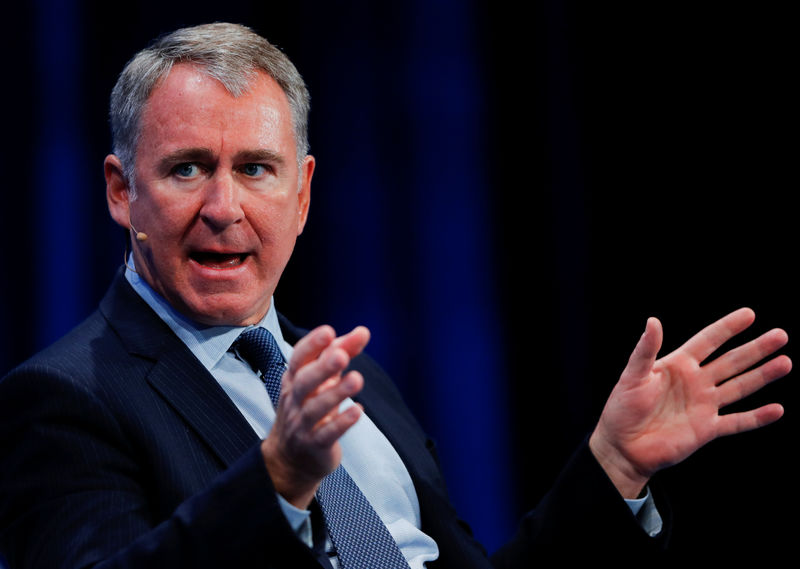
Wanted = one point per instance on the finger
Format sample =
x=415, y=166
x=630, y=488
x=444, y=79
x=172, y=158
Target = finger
x=740, y=387
x=330, y=431
x=644, y=354
x=314, y=374
x=705, y=342
x=328, y=400
x=310, y=346
x=351, y=344
x=354, y=341
x=749, y=420
x=746, y=355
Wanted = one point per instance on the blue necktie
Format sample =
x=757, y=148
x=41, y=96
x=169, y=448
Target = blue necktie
x=361, y=539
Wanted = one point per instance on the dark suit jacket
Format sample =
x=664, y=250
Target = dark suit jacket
x=119, y=449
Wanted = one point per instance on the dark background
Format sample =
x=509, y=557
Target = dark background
x=503, y=195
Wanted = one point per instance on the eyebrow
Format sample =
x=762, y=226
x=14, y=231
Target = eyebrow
x=179, y=156
x=261, y=155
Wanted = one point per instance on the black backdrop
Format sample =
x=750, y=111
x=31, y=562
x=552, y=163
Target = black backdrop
x=527, y=185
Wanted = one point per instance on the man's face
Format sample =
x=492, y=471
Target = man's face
x=218, y=193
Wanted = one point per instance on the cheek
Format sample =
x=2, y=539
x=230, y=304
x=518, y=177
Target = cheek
x=171, y=218
x=165, y=224
x=277, y=243
x=274, y=222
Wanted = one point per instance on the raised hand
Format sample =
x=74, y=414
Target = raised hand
x=663, y=410
x=302, y=447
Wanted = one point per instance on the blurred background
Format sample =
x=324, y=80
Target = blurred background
x=502, y=194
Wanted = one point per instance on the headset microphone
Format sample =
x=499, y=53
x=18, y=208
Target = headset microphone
x=140, y=235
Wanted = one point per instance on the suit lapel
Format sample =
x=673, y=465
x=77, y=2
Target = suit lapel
x=177, y=375
x=203, y=404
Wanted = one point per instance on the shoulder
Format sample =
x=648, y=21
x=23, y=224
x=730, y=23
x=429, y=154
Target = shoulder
x=73, y=351
x=98, y=353
x=77, y=372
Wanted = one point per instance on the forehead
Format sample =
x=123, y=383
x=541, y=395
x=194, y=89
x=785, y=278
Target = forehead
x=189, y=108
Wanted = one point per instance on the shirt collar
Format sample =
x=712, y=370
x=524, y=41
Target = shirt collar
x=208, y=343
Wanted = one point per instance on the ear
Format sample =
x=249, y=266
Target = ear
x=304, y=191
x=117, y=191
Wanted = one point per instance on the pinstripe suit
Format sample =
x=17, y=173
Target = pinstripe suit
x=118, y=448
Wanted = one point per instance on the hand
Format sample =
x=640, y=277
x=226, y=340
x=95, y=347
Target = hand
x=661, y=411
x=302, y=447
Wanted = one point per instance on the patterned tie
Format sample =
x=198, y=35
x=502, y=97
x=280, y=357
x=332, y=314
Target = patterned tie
x=258, y=347
x=358, y=534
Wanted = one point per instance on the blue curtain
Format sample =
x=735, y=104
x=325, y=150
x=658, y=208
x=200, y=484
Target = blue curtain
x=61, y=185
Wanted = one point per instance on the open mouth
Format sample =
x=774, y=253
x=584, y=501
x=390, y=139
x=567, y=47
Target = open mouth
x=218, y=260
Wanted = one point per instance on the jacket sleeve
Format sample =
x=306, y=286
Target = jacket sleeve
x=74, y=494
x=583, y=516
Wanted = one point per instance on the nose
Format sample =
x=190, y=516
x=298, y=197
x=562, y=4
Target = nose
x=221, y=205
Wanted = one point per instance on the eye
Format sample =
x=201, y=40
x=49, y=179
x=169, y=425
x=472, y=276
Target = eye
x=186, y=170
x=254, y=170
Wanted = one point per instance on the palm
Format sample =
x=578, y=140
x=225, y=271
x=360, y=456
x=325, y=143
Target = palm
x=669, y=406
x=661, y=411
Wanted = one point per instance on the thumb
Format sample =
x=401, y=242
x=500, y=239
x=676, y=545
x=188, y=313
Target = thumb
x=644, y=354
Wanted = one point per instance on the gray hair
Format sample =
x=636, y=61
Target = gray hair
x=230, y=53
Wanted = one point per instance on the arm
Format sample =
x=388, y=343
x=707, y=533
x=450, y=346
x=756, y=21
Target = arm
x=659, y=413
x=81, y=488
x=77, y=489
x=663, y=410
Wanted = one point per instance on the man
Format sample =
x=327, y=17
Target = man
x=146, y=437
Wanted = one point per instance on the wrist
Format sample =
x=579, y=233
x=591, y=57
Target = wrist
x=627, y=479
x=297, y=489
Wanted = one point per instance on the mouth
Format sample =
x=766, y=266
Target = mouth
x=218, y=261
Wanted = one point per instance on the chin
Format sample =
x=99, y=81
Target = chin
x=228, y=315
